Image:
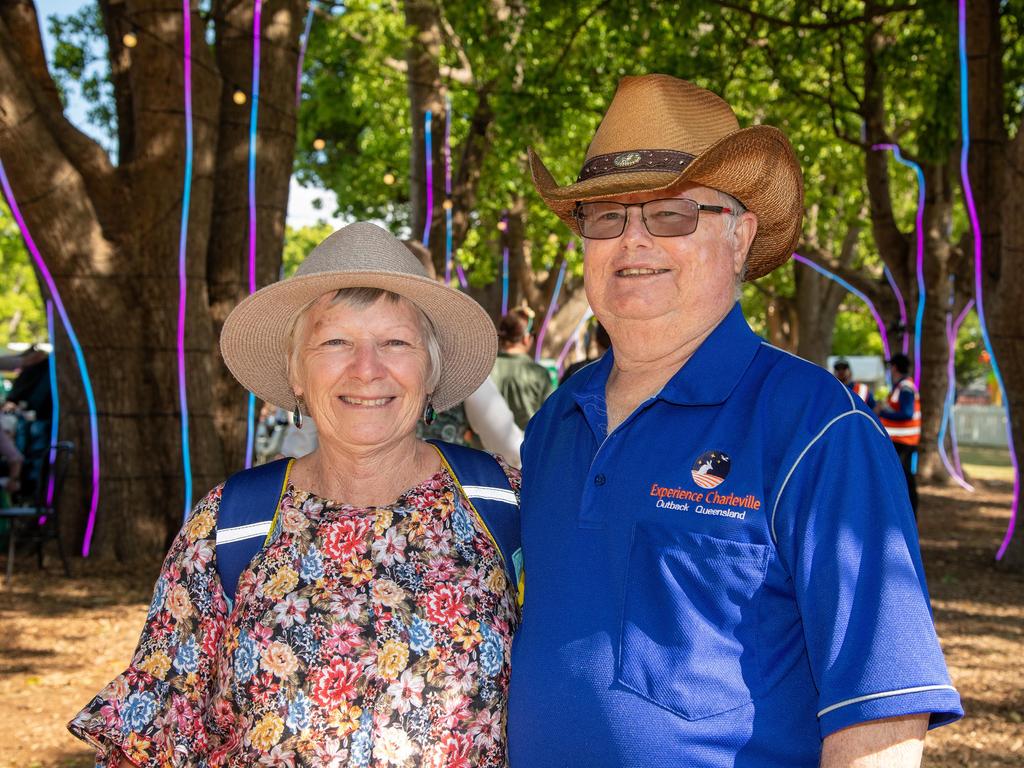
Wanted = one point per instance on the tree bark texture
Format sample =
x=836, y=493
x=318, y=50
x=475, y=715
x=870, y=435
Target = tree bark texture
x=996, y=168
x=426, y=95
x=899, y=253
x=817, y=304
x=110, y=233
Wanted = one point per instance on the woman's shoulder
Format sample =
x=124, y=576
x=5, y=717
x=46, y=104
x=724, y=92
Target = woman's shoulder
x=511, y=473
x=202, y=521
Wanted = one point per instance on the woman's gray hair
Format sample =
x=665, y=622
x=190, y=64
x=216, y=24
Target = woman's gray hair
x=361, y=298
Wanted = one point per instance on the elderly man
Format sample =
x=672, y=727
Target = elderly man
x=719, y=568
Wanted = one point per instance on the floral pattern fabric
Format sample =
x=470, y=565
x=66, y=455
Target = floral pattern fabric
x=363, y=637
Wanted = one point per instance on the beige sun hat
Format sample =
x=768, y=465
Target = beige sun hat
x=661, y=132
x=254, y=340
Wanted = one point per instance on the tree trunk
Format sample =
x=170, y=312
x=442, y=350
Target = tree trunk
x=895, y=249
x=996, y=165
x=426, y=95
x=227, y=256
x=1006, y=322
x=937, y=221
x=110, y=237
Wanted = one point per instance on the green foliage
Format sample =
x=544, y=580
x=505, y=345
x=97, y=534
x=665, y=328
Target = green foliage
x=19, y=291
x=972, y=361
x=299, y=242
x=1012, y=24
x=856, y=332
x=80, y=60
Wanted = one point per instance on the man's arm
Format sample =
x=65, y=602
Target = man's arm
x=895, y=742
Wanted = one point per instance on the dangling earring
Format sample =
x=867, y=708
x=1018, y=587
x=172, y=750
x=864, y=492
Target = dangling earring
x=429, y=414
x=297, y=413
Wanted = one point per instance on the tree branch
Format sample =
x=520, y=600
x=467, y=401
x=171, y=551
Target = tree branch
x=115, y=25
x=837, y=23
x=452, y=38
x=21, y=48
x=572, y=37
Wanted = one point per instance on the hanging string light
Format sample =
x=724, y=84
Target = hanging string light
x=573, y=337
x=859, y=294
x=553, y=304
x=253, y=116
x=55, y=396
x=447, y=205
x=303, y=42
x=83, y=369
x=428, y=144
x=503, y=228
x=186, y=201
x=965, y=131
x=904, y=336
x=919, y=231
x=948, y=419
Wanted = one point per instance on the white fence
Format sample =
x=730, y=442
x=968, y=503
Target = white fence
x=981, y=425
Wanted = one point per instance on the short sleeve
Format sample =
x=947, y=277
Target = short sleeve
x=845, y=532
x=153, y=712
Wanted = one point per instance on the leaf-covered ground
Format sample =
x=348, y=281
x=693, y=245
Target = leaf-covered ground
x=62, y=639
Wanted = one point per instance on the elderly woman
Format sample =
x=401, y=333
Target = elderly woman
x=373, y=627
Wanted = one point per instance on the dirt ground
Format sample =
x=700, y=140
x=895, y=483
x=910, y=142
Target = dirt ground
x=63, y=639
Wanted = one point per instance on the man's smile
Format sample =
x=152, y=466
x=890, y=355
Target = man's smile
x=639, y=272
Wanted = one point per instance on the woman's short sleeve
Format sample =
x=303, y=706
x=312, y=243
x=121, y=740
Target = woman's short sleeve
x=153, y=712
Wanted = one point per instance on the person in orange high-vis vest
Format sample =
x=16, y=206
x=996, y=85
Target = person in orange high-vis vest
x=841, y=369
x=901, y=417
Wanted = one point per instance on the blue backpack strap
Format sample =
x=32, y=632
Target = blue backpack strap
x=248, y=510
x=484, y=484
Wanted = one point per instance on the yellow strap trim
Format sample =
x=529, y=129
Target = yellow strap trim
x=280, y=496
x=469, y=501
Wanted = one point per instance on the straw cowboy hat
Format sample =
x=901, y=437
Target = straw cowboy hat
x=255, y=335
x=661, y=132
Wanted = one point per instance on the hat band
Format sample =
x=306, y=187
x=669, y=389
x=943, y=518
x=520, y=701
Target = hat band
x=635, y=160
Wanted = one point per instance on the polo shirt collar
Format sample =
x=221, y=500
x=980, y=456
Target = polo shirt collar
x=707, y=378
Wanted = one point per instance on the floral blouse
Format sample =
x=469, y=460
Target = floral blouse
x=371, y=637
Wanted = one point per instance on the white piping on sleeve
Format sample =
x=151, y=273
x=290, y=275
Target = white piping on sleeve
x=242, y=532
x=803, y=453
x=885, y=694
x=489, y=493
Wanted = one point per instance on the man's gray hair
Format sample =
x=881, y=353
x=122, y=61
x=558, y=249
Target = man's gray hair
x=361, y=298
x=731, y=219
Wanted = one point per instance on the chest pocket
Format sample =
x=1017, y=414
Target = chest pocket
x=689, y=620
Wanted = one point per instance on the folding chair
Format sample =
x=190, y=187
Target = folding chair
x=37, y=517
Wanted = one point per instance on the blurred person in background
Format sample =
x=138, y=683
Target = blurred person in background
x=523, y=383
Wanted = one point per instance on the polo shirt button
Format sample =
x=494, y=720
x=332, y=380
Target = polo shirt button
x=599, y=480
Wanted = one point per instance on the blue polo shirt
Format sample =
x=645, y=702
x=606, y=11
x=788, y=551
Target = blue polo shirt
x=727, y=578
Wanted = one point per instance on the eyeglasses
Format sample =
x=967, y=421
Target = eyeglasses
x=672, y=217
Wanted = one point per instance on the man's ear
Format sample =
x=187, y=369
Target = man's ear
x=746, y=230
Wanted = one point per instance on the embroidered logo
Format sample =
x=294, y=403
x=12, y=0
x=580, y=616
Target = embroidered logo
x=711, y=469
